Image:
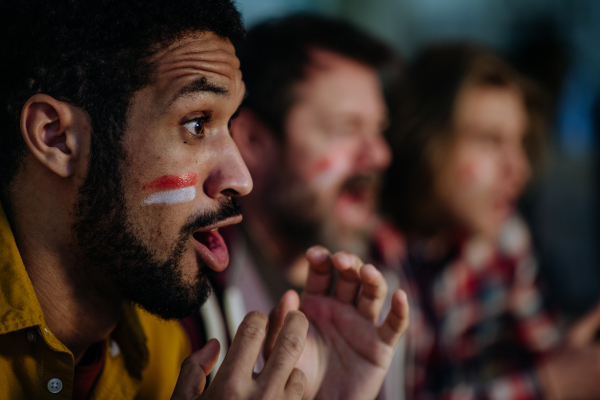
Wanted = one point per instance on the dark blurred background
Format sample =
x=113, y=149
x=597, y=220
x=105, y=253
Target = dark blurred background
x=557, y=43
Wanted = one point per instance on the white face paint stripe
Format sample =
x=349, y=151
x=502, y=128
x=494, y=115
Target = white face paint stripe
x=175, y=196
x=339, y=168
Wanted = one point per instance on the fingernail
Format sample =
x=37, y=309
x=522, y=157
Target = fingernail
x=316, y=254
x=345, y=259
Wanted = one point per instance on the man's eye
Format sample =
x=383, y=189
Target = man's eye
x=195, y=126
x=344, y=131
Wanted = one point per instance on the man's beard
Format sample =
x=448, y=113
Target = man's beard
x=306, y=221
x=121, y=262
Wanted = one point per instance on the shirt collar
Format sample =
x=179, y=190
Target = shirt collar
x=19, y=307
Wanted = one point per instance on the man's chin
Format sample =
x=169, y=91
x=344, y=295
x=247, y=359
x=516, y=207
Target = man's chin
x=178, y=303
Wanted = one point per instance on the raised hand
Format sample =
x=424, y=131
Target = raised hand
x=573, y=370
x=346, y=355
x=583, y=332
x=235, y=380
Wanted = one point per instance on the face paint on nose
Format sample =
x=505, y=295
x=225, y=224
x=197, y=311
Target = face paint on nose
x=171, y=189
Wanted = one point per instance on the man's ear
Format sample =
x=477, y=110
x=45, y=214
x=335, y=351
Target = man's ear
x=55, y=132
x=256, y=142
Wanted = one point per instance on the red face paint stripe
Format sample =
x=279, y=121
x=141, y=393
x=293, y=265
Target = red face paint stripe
x=320, y=166
x=170, y=182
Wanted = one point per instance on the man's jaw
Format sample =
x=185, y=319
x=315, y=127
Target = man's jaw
x=210, y=246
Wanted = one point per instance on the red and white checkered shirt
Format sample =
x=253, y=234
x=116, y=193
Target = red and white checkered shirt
x=478, y=321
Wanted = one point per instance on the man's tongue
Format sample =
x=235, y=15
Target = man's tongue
x=213, y=249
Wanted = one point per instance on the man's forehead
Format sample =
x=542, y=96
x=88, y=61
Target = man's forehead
x=355, y=86
x=321, y=59
x=204, y=54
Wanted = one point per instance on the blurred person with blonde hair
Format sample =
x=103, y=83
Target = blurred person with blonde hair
x=470, y=131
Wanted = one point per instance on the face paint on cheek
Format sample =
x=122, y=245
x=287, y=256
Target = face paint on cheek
x=320, y=166
x=466, y=173
x=476, y=174
x=330, y=170
x=171, y=189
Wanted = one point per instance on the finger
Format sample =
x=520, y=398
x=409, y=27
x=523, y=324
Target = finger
x=348, y=282
x=245, y=346
x=374, y=290
x=286, y=352
x=396, y=321
x=195, y=369
x=289, y=302
x=294, y=388
x=320, y=271
x=361, y=336
x=583, y=332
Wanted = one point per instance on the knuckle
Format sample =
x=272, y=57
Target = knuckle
x=293, y=344
x=187, y=363
x=253, y=326
x=252, y=331
x=297, y=382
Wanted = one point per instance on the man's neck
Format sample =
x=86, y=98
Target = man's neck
x=76, y=309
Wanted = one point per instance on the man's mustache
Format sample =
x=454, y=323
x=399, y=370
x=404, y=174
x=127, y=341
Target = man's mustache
x=228, y=208
x=361, y=182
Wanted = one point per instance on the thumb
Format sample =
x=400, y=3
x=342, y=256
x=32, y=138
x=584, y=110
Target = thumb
x=194, y=370
x=584, y=329
x=289, y=301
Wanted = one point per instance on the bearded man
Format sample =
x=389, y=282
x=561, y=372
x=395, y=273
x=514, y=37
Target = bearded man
x=311, y=133
x=117, y=167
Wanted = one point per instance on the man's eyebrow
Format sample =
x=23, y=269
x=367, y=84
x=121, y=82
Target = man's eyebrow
x=197, y=86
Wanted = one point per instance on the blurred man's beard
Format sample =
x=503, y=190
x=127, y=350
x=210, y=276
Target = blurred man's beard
x=120, y=260
x=305, y=220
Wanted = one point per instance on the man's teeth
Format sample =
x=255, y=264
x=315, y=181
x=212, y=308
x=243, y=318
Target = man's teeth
x=214, y=230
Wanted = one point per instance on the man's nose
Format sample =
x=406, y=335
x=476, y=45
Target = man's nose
x=375, y=153
x=229, y=176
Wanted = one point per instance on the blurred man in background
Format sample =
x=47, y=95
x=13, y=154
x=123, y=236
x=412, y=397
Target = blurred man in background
x=310, y=130
x=311, y=133
x=470, y=131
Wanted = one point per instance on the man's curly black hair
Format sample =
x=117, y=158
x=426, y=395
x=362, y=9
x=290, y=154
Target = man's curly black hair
x=94, y=54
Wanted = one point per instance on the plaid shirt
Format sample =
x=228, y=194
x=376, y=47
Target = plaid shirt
x=478, y=321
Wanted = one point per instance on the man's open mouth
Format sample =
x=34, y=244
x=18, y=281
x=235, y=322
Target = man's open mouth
x=211, y=247
x=357, y=200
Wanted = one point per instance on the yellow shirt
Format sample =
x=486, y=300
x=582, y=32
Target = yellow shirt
x=143, y=359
